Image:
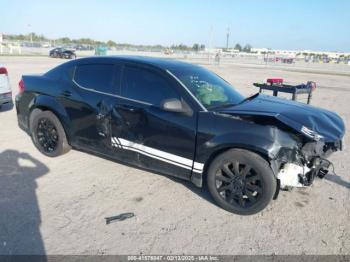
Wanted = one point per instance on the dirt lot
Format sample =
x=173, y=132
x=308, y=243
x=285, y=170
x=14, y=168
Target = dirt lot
x=57, y=206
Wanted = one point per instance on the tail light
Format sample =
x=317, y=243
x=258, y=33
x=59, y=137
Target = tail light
x=3, y=71
x=21, y=86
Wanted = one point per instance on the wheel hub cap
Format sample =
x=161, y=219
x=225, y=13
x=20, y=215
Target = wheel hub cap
x=239, y=184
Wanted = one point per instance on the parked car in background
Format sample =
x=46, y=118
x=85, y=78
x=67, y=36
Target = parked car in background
x=60, y=52
x=287, y=60
x=182, y=120
x=5, y=88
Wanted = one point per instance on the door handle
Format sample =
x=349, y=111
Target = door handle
x=66, y=93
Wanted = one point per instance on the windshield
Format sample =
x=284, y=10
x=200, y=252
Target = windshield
x=211, y=90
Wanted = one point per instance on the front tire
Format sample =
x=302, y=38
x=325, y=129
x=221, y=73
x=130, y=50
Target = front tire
x=48, y=134
x=241, y=182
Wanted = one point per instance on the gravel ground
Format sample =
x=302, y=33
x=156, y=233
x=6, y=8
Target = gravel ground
x=58, y=206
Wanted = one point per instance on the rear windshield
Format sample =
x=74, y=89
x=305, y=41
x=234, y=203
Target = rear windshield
x=211, y=90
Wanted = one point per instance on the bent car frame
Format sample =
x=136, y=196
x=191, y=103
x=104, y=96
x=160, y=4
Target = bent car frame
x=181, y=120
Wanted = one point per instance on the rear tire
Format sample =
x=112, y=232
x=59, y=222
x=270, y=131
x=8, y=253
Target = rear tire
x=241, y=182
x=48, y=134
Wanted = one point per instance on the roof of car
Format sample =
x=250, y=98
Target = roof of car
x=163, y=63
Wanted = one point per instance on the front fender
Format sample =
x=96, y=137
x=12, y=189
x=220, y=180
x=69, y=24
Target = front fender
x=256, y=143
x=217, y=133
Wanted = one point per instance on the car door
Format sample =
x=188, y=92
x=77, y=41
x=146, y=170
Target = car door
x=147, y=135
x=90, y=103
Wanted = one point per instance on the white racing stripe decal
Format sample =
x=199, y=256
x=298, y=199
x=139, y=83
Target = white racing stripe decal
x=115, y=142
x=198, y=166
x=157, y=154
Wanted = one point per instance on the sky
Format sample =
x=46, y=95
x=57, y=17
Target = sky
x=320, y=25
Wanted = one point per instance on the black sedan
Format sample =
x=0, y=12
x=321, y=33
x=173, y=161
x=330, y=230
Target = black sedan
x=62, y=53
x=181, y=120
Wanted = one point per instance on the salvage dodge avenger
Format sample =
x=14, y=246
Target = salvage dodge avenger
x=181, y=120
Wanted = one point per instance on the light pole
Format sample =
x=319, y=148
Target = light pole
x=210, y=42
x=227, y=37
x=30, y=33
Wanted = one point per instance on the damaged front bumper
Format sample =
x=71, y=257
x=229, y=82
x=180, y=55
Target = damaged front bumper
x=308, y=162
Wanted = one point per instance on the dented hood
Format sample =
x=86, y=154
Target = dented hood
x=294, y=114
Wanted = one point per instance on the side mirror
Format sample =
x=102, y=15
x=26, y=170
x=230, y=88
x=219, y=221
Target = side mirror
x=176, y=106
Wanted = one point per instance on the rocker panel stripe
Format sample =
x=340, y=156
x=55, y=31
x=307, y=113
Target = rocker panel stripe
x=158, y=154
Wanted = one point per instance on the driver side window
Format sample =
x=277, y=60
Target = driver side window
x=146, y=86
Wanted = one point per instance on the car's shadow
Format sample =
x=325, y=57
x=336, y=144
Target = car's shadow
x=19, y=209
x=203, y=191
x=338, y=180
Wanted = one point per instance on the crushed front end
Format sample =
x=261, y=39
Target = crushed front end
x=299, y=167
x=300, y=137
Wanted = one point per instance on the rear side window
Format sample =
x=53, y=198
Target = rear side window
x=146, y=86
x=99, y=77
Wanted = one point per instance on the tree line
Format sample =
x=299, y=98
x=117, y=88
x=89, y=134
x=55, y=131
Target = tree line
x=247, y=48
x=91, y=42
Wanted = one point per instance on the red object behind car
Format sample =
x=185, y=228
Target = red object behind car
x=5, y=88
x=275, y=81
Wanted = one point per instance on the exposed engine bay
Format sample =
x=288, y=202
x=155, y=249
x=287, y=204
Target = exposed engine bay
x=311, y=162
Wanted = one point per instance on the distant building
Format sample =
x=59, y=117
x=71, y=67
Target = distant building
x=277, y=52
x=230, y=50
x=295, y=53
x=260, y=51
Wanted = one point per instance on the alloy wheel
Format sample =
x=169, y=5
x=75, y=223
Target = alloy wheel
x=238, y=184
x=47, y=135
